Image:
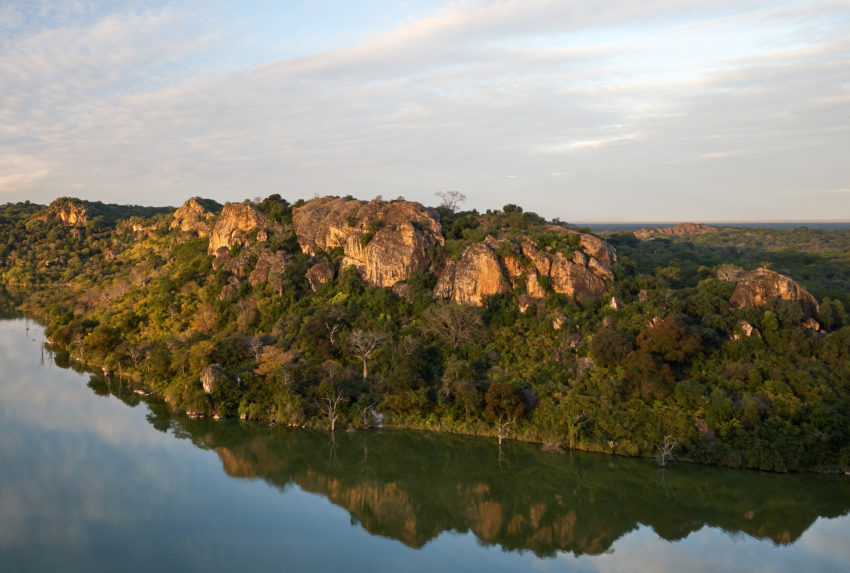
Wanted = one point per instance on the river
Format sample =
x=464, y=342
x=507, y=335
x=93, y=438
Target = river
x=95, y=478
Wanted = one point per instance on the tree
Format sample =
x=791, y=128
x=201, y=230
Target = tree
x=256, y=345
x=453, y=323
x=450, y=199
x=671, y=339
x=609, y=347
x=364, y=344
x=504, y=406
x=456, y=374
x=330, y=404
x=665, y=450
x=333, y=315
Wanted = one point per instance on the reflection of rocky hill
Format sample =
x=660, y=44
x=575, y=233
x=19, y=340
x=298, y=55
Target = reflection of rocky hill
x=412, y=487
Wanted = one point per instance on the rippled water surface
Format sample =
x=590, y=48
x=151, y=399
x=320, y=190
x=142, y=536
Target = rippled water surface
x=94, y=479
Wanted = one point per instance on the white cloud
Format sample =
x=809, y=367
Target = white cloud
x=656, y=89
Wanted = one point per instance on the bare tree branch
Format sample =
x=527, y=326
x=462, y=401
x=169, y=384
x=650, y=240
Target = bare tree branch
x=450, y=199
x=364, y=344
x=665, y=451
x=455, y=324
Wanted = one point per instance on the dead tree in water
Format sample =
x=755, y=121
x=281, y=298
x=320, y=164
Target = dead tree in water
x=665, y=451
x=331, y=406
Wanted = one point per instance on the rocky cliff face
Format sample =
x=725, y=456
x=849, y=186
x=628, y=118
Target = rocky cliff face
x=237, y=220
x=680, y=229
x=385, y=241
x=478, y=273
x=193, y=217
x=497, y=266
x=755, y=288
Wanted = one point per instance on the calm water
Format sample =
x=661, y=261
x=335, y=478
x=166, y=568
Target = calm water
x=92, y=479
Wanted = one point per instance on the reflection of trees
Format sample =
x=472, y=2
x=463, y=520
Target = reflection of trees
x=412, y=486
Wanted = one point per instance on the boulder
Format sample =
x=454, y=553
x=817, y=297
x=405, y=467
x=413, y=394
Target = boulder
x=320, y=274
x=599, y=250
x=745, y=329
x=233, y=226
x=756, y=288
x=230, y=289
x=269, y=263
x=477, y=274
x=385, y=241
x=212, y=376
x=404, y=291
x=574, y=280
x=495, y=266
x=194, y=216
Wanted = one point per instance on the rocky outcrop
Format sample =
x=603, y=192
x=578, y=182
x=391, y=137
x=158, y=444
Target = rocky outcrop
x=212, y=376
x=194, y=216
x=385, y=241
x=680, y=229
x=320, y=274
x=756, y=288
x=237, y=220
x=496, y=266
x=745, y=330
x=477, y=274
x=268, y=264
x=575, y=280
x=69, y=212
x=230, y=288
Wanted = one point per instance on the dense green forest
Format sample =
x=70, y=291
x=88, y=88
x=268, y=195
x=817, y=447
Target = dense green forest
x=127, y=291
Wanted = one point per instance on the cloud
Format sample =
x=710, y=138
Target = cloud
x=656, y=89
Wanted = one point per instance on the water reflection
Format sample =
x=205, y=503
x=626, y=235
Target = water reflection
x=410, y=487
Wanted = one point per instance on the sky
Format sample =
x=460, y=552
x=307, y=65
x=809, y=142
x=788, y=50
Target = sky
x=612, y=110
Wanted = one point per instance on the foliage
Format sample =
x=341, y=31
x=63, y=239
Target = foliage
x=672, y=362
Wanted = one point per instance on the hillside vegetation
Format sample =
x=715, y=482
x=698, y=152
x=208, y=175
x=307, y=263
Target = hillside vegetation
x=336, y=313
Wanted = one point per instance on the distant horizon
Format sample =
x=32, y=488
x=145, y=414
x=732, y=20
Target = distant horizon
x=575, y=222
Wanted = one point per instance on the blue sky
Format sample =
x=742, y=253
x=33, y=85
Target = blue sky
x=609, y=110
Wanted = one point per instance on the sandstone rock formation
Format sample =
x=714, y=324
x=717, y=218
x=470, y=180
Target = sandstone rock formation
x=70, y=212
x=320, y=274
x=496, y=266
x=385, y=241
x=268, y=264
x=230, y=288
x=745, y=329
x=680, y=229
x=755, y=288
x=237, y=220
x=477, y=274
x=193, y=217
x=212, y=376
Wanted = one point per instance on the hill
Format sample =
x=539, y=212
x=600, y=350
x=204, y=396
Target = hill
x=335, y=312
